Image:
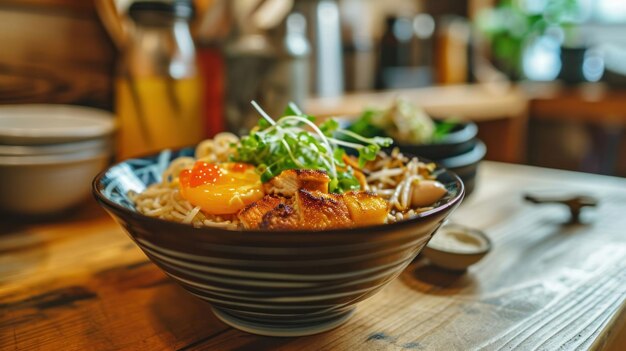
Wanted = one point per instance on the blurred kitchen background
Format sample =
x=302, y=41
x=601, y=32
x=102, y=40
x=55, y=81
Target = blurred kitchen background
x=545, y=80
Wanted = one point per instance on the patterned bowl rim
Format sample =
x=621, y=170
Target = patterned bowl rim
x=362, y=231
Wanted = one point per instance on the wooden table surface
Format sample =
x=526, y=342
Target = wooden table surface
x=79, y=283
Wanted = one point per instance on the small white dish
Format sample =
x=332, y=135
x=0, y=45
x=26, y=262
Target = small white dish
x=455, y=247
x=52, y=124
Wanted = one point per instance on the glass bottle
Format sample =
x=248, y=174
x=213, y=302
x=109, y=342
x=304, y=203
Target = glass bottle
x=157, y=88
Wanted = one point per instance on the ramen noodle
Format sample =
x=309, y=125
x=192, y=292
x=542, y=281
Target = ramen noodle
x=391, y=176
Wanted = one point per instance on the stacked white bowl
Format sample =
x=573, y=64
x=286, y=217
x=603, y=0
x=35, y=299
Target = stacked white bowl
x=49, y=155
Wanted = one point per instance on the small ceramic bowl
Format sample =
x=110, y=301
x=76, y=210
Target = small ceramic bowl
x=459, y=151
x=95, y=145
x=460, y=140
x=39, y=124
x=44, y=185
x=277, y=283
x=455, y=247
x=49, y=154
x=466, y=165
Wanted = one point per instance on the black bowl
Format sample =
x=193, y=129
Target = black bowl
x=460, y=140
x=271, y=282
x=466, y=164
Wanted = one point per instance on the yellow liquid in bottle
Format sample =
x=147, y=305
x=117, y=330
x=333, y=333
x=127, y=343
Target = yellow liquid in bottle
x=156, y=113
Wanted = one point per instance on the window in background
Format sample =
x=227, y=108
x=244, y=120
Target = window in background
x=549, y=39
x=609, y=11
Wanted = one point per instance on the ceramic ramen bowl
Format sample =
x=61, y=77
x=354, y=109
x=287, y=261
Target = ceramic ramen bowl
x=271, y=283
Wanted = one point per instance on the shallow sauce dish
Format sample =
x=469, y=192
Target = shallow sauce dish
x=474, y=245
x=277, y=283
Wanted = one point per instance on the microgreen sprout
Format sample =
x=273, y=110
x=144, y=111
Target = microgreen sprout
x=294, y=141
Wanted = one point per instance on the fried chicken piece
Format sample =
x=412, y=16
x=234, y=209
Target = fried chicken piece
x=311, y=210
x=288, y=182
x=282, y=217
x=252, y=215
x=314, y=210
x=300, y=200
x=320, y=211
x=366, y=208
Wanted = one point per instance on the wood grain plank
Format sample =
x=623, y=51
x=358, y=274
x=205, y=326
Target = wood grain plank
x=65, y=7
x=54, y=51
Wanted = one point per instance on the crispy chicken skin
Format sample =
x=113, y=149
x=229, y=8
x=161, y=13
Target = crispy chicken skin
x=366, y=208
x=322, y=211
x=282, y=217
x=288, y=182
x=299, y=200
x=252, y=215
x=315, y=210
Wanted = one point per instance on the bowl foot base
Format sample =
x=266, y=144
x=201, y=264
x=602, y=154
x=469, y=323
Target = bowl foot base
x=296, y=326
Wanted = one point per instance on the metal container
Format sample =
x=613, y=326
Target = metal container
x=324, y=33
x=270, y=67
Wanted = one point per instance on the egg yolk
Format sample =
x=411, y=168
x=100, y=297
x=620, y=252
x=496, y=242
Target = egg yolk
x=223, y=188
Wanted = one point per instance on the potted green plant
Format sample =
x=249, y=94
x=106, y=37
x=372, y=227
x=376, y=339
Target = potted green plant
x=512, y=25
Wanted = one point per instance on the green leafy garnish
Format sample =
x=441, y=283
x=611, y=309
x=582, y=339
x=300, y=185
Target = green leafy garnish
x=294, y=141
x=443, y=128
x=364, y=125
x=404, y=122
x=329, y=127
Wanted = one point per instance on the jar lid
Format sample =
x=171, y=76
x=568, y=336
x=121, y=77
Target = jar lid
x=52, y=124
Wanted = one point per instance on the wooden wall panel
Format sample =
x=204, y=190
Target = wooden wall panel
x=54, y=51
